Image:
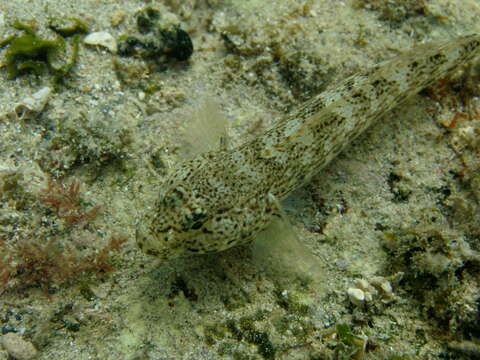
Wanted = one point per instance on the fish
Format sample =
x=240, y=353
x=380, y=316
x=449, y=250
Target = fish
x=225, y=197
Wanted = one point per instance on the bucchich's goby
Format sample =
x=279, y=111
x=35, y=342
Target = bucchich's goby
x=223, y=198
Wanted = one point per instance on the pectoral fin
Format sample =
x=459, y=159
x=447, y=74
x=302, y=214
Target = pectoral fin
x=280, y=251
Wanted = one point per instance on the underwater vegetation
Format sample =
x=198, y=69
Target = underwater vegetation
x=156, y=40
x=158, y=43
x=52, y=246
x=96, y=141
x=48, y=235
x=29, y=53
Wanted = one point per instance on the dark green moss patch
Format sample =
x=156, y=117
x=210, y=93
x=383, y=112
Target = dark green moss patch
x=234, y=330
x=86, y=140
x=85, y=290
x=178, y=285
x=213, y=333
x=305, y=73
x=265, y=347
x=253, y=336
x=147, y=19
x=299, y=328
x=243, y=330
x=156, y=41
x=438, y=265
x=225, y=348
x=400, y=191
x=393, y=11
x=287, y=302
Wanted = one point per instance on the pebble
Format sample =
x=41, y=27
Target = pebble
x=356, y=296
x=365, y=291
x=102, y=38
x=18, y=348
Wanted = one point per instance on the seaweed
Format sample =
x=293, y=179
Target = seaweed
x=50, y=246
x=28, y=48
x=349, y=345
x=67, y=26
x=44, y=262
x=66, y=202
x=29, y=53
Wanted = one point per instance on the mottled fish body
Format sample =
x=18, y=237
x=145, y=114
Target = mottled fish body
x=223, y=198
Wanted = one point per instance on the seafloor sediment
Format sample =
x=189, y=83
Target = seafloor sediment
x=390, y=229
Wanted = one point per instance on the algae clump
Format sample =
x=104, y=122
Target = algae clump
x=29, y=53
x=67, y=26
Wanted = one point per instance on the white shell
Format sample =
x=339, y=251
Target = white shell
x=102, y=38
x=33, y=105
x=30, y=107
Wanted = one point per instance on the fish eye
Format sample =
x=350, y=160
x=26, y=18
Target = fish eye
x=197, y=225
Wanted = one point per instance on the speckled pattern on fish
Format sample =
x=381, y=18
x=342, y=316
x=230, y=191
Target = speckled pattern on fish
x=223, y=198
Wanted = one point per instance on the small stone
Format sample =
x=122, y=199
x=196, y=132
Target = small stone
x=102, y=38
x=362, y=284
x=117, y=17
x=386, y=287
x=356, y=296
x=383, y=285
x=17, y=347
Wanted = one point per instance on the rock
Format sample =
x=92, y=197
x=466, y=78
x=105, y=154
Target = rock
x=102, y=38
x=17, y=347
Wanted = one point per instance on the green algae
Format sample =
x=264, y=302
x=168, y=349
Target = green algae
x=29, y=49
x=84, y=140
x=146, y=20
x=31, y=54
x=67, y=26
x=291, y=304
x=241, y=330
